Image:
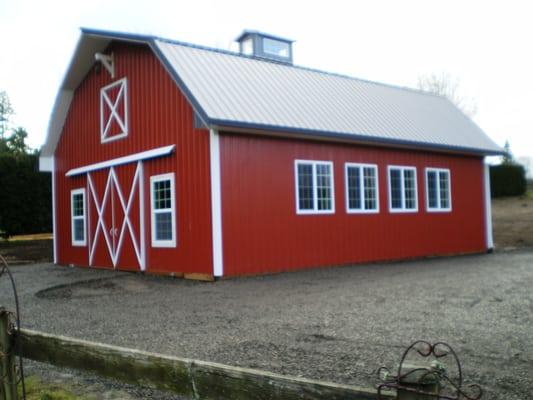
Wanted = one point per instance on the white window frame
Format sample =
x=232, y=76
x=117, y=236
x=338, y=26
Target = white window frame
x=153, y=211
x=123, y=122
x=402, y=168
x=315, y=209
x=73, y=218
x=439, y=208
x=361, y=188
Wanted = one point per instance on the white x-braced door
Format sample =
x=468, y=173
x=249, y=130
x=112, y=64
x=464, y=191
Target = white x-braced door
x=116, y=217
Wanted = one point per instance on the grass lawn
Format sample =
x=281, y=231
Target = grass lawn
x=37, y=390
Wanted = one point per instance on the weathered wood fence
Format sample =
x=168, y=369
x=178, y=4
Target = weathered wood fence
x=190, y=378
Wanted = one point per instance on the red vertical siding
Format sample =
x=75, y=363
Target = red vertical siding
x=262, y=232
x=159, y=115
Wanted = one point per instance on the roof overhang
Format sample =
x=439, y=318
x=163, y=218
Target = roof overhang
x=296, y=133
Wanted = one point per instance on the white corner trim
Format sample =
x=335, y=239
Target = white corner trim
x=488, y=207
x=54, y=210
x=143, y=155
x=216, y=202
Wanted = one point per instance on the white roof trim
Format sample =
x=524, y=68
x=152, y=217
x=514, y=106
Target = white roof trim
x=143, y=155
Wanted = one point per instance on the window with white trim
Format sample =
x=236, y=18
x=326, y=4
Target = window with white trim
x=438, y=192
x=78, y=217
x=361, y=182
x=402, y=189
x=314, y=187
x=163, y=205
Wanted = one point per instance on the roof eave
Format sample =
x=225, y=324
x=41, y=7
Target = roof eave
x=293, y=132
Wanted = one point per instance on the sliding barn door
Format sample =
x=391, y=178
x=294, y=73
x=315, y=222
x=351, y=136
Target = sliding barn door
x=116, y=217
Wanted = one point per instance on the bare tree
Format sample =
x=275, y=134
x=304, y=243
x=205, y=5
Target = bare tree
x=445, y=84
x=6, y=111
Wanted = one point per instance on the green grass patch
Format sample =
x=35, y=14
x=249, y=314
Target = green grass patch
x=38, y=390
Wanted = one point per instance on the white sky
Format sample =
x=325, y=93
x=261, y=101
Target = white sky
x=487, y=44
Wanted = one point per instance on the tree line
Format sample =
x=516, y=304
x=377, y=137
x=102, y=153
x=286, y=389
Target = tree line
x=25, y=193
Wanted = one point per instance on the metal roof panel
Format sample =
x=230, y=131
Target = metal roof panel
x=232, y=88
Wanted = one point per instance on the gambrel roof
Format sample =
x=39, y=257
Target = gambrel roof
x=232, y=91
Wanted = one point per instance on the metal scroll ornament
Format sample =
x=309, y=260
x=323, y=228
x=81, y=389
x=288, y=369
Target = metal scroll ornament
x=14, y=326
x=423, y=370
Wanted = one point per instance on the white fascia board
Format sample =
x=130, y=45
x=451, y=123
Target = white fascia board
x=46, y=164
x=143, y=155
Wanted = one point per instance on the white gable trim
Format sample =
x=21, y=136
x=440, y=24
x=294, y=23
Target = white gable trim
x=143, y=155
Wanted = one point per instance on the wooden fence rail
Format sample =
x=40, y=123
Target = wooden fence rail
x=190, y=378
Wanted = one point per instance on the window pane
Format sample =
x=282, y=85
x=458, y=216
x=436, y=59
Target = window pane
x=370, y=195
x=276, y=47
x=432, y=189
x=305, y=187
x=444, y=186
x=163, y=226
x=396, y=188
x=162, y=195
x=354, y=189
x=410, y=192
x=77, y=205
x=323, y=179
x=79, y=230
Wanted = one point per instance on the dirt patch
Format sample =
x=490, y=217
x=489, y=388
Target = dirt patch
x=94, y=288
x=27, y=251
x=512, y=219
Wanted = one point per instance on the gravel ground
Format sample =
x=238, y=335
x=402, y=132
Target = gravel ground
x=335, y=324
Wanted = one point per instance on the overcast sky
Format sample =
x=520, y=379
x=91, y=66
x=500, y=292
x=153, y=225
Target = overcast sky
x=486, y=44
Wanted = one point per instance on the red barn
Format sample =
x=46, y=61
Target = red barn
x=178, y=159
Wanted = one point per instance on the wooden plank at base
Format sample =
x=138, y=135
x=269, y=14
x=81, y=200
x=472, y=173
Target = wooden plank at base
x=195, y=379
x=200, y=277
x=127, y=365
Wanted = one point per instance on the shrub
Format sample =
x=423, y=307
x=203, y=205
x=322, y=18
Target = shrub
x=507, y=180
x=25, y=196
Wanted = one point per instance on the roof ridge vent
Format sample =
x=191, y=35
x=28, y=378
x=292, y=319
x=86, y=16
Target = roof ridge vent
x=265, y=46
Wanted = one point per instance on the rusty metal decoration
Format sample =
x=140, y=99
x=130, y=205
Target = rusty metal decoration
x=412, y=380
x=4, y=270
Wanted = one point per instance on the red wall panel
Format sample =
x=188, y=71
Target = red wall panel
x=262, y=232
x=159, y=115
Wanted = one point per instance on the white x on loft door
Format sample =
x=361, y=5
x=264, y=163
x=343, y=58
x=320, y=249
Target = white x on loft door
x=115, y=211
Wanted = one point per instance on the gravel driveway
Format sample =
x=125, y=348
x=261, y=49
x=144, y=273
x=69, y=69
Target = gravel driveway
x=335, y=324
